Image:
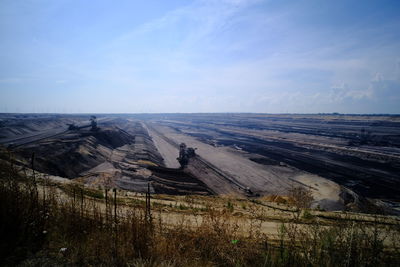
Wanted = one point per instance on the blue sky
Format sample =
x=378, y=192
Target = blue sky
x=200, y=56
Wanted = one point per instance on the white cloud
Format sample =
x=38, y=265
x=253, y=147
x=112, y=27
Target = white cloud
x=229, y=55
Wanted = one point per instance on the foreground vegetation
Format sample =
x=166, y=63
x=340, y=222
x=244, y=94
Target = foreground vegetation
x=47, y=224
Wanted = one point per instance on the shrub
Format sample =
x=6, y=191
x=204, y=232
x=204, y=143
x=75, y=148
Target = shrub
x=40, y=226
x=301, y=197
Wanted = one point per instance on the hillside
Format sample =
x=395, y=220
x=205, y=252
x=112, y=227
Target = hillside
x=48, y=221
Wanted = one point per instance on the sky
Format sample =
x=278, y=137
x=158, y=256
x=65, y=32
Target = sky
x=263, y=56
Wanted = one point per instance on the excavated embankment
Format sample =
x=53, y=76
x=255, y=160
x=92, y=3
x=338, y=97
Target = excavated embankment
x=120, y=153
x=70, y=154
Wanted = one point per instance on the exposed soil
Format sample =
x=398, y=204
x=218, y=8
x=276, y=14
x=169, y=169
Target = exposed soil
x=341, y=158
x=119, y=154
x=176, y=182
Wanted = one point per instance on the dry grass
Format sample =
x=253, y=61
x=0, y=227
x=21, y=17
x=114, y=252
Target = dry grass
x=39, y=227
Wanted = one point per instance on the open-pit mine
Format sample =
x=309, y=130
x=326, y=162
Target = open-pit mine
x=349, y=162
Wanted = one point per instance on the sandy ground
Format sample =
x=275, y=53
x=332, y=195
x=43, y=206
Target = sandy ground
x=115, y=172
x=266, y=180
x=167, y=151
x=103, y=167
x=325, y=192
x=243, y=170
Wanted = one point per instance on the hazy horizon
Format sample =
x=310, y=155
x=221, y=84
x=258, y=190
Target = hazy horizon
x=207, y=56
x=194, y=113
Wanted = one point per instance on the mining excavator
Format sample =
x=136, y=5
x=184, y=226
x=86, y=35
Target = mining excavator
x=185, y=153
x=93, y=125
